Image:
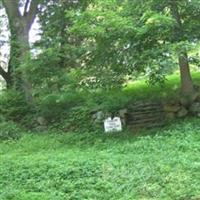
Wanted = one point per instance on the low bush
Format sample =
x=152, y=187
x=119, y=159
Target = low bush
x=54, y=107
x=13, y=106
x=10, y=131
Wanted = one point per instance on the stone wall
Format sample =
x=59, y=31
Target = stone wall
x=149, y=114
x=145, y=115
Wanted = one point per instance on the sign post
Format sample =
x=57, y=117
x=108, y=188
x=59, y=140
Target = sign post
x=112, y=125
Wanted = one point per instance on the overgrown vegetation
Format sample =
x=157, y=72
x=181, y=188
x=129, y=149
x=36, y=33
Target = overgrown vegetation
x=96, y=59
x=160, y=164
x=88, y=51
x=10, y=131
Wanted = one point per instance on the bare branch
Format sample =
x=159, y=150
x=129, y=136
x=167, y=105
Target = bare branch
x=26, y=7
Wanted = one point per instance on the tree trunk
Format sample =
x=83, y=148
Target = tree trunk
x=19, y=52
x=23, y=38
x=6, y=76
x=9, y=81
x=187, y=87
x=20, y=25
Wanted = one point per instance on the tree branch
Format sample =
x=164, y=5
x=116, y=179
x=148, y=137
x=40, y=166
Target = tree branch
x=4, y=74
x=26, y=7
x=11, y=8
x=31, y=14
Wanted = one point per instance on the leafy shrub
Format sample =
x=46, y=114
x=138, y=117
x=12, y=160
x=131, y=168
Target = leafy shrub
x=78, y=116
x=13, y=106
x=55, y=107
x=110, y=101
x=9, y=131
x=78, y=119
x=2, y=118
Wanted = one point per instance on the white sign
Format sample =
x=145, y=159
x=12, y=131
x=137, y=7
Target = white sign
x=112, y=125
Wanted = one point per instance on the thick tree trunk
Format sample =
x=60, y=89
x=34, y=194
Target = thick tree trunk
x=20, y=25
x=23, y=38
x=19, y=52
x=187, y=87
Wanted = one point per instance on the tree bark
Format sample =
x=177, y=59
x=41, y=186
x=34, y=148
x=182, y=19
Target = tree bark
x=187, y=87
x=19, y=50
x=20, y=25
x=22, y=37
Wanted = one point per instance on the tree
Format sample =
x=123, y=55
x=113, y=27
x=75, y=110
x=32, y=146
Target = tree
x=185, y=14
x=21, y=15
x=59, y=48
x=142, y=36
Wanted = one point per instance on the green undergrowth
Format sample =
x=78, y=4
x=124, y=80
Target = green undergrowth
x=158, y=164
x=72, y=110
x=10, y=131
x=152, y=164
x=139, y=91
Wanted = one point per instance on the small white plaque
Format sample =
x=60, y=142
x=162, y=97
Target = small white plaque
x=113, y=125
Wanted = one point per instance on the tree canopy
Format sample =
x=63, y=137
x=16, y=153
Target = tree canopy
x=99, y=44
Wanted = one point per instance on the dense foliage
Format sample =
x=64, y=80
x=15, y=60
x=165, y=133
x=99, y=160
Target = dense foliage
x=90, y=49
x=93, y=59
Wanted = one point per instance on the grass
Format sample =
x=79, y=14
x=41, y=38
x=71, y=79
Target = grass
x=141, y=90
x=160, y=164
